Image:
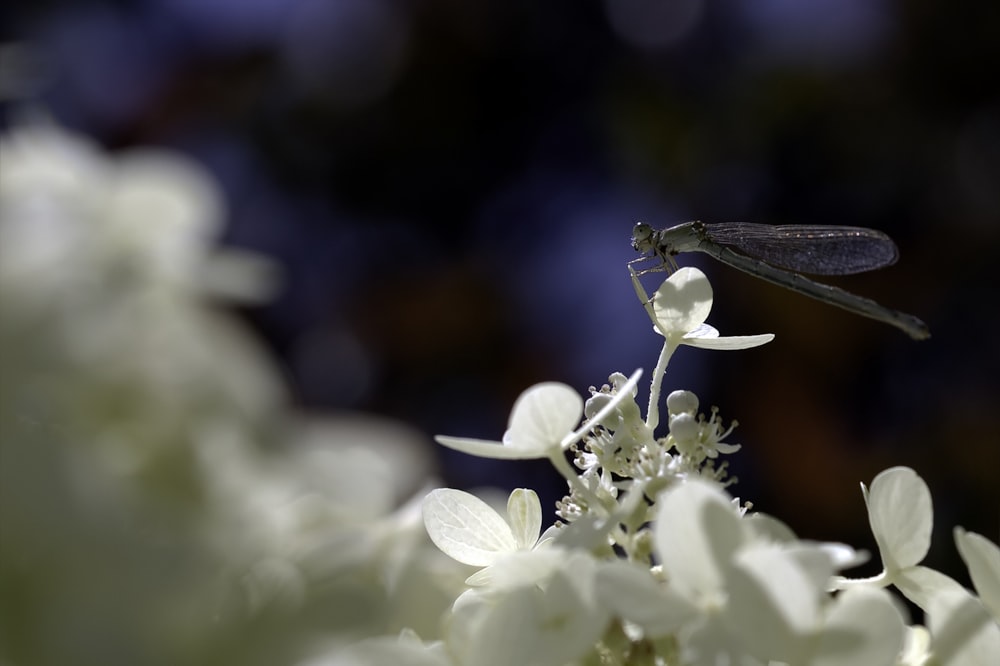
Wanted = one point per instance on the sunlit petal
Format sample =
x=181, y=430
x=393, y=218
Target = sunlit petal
x=901, y=517
x=466, y=528
x=683, y=301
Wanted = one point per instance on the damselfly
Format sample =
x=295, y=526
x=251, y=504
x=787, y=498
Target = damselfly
x=779, y=254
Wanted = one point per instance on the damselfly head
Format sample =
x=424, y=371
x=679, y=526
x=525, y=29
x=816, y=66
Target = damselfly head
x=642, y=237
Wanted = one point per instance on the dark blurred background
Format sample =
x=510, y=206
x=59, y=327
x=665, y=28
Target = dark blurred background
x=450, y=189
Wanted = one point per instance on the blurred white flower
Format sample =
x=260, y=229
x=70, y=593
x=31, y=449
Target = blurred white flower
x=633, y=594
x=404, y=650
x=982, y=557
x=336, y=505
x=916, y=647
x=554, y=617
x=73, y=217
x=103, y=262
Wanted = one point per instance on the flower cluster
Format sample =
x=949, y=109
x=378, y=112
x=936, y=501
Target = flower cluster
x=159, y=501
x=653, y=562
x=161, y=504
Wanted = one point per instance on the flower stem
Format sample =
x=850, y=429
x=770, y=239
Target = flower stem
x=652, y=411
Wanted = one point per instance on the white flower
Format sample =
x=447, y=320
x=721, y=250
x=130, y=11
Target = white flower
x=530, y=605
x=679, y=310
x=764, y=598
x=73, y=216
x=901, y=516
x=633, y=594
x=778, y=607
x=468, y=530
x=554, y=619
x=541, y=423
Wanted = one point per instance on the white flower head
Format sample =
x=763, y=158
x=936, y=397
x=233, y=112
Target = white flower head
x=541, y=423
x=679, y=310
x=467, y=529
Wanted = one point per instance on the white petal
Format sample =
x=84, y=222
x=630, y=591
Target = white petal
x=816, y=562
x=466, y=528
x=862, y=627
x=588, y=532
x=682, y=302
x=901, y=517
x=633, y=594
x=963, y=632
x=768, y=528
x=916, y=646
x=521, y=567
x=844, y=556
x=923, y=585
x=703, y=331
x=527, y=626
x=982, y=557
x=485, y=448
x=729, y=341
x=773, y=604
x=541, y=423
x=711, y=643
x=524, y=513
x=696, y=533
x=542, y=416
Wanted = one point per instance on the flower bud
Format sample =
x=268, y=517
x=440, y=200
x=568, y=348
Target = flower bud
x=682, y=402
x=684, y=429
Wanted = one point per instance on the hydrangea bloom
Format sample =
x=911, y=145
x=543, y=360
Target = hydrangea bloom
x=653, y=561
x=74, y=217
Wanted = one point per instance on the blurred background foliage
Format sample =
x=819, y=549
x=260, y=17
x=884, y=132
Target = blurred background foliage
x=448, y=191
